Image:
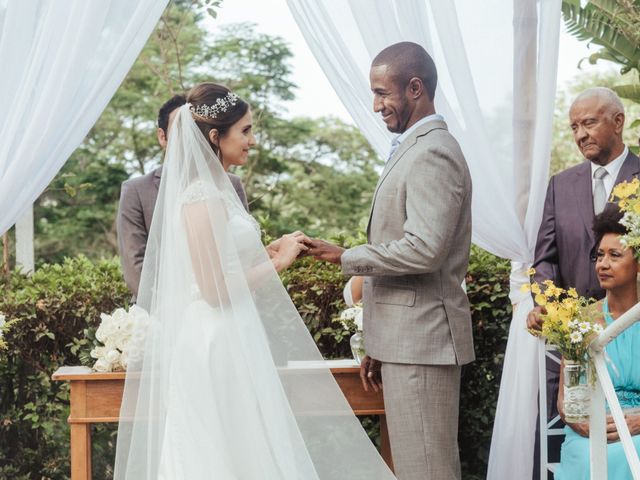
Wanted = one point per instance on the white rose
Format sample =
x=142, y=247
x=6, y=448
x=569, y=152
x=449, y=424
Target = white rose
x=123, y=341
x=102, y=365
x=118, y=314
x=105, y=329
x=112, y=356
x=98, y=352
x=110, y=343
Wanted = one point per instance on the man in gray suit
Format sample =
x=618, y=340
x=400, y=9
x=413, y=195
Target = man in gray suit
x=574, y=196
x=138, y=200
x=417, y=323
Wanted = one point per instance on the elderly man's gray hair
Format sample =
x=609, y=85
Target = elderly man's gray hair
x=608, y=96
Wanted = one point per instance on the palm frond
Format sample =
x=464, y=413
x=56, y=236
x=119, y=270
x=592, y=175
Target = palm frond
x=630, y=92
x=595, y=24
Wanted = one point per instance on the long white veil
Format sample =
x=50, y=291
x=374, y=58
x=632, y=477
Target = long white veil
x=194, y=254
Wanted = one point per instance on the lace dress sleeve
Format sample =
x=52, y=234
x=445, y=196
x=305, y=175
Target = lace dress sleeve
x=203, y=208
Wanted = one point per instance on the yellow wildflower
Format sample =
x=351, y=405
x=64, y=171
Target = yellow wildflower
x=573, y=293
x=552, y=310
x=540, y=299
x=525, y=288
x=625, y=189
x=535, y=288
x=531, y=271
x=564, y=315
x=553, y=292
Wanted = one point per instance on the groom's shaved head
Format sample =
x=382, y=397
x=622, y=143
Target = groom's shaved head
x=406, y=60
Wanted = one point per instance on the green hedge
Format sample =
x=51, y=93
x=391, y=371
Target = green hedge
x=52, y=312
x=47, y=316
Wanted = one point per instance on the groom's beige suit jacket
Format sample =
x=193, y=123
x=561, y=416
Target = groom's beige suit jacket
x=419, y=232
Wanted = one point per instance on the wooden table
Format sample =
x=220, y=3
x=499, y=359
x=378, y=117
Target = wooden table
x=96, y=398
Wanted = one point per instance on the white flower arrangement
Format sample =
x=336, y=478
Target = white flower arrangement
x=351, y=318
x=122, y=335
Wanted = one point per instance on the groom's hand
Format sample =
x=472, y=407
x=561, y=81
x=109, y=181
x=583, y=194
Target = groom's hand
x=370, y=374
x=326, y=251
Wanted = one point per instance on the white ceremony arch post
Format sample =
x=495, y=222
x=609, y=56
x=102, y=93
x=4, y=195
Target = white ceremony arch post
x=25, y=253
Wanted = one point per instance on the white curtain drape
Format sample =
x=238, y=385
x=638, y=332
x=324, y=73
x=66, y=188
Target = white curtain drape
x=497, y=63
x=62, y=61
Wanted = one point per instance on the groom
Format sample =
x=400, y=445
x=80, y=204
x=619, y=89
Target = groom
x=417, y=323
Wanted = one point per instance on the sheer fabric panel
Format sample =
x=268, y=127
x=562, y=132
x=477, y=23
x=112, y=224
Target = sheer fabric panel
x=62, y=61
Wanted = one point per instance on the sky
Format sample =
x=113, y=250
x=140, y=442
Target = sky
x=315, y=96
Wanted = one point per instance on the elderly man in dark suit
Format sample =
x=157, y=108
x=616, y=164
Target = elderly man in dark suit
x=138, y=200
x=574, y=197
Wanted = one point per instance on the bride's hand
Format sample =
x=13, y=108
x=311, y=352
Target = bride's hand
x=273, y=247
x=286, y=249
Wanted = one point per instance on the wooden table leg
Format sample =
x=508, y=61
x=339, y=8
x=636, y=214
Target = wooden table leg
x=80, y=433
x=385, y=445
x=80, y=451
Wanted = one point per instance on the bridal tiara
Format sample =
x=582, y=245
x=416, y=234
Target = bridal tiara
x=212, y=111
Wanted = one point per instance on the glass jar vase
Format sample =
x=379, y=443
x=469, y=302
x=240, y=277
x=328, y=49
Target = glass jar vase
x=577, y=393
x=357, y=346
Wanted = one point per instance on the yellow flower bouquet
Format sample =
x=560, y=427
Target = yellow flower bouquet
x=570, y=322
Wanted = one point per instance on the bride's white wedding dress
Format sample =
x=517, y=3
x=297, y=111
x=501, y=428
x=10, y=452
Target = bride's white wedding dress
x=219, y=391
x=215, y=432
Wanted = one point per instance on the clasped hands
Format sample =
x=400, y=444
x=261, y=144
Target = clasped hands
x=301, y=245
x=633, y=422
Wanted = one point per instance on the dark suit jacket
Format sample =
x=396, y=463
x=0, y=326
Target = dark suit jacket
x=137, y=203
x=565, y=239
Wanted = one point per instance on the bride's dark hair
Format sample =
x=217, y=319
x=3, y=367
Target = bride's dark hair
x=207, y=94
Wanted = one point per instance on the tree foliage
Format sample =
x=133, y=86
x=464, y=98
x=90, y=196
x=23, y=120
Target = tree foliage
x=612, y=25
x=312, y=174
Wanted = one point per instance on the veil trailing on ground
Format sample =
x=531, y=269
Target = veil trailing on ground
x=196, y=257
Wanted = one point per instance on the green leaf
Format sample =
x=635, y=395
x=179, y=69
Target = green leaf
x=597, y=23
x=630, y=92
x=71, y=191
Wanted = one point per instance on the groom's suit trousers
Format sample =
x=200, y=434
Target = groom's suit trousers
x=424, y=446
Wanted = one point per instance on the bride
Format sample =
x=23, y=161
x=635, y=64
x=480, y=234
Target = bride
x=230, y=384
